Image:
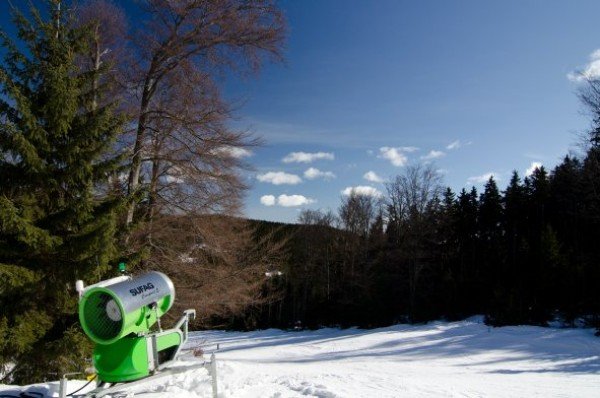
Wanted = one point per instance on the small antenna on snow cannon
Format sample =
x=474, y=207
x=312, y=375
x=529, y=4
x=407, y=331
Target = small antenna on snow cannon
x=118, y=315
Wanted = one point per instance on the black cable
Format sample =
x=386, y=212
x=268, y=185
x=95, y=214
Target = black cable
x=84, y=386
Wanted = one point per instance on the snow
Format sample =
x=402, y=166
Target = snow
x=440, y=359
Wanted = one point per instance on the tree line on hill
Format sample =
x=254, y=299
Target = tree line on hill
x=526, y=255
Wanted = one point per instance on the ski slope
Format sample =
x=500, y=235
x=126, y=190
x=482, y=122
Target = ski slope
x=459, y=359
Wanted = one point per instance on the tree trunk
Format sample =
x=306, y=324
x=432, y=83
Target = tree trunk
x=136, y=159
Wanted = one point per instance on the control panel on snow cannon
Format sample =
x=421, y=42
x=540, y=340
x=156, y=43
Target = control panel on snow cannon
x=119, y=314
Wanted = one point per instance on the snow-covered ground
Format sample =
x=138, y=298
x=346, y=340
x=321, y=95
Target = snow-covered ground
x=459, y=359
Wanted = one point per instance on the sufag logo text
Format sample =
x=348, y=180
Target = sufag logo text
x=141, y=289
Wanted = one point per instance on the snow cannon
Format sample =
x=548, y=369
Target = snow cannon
x=119, y=315
x=110, y=312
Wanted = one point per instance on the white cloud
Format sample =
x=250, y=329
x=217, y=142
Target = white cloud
x=457, y=145
x=305, y=157
x=286, y=200
x=313, y=173
x=234, y=152
x=396, y=155
x=293, y=200
x=454, y=145
x=433, y=154
x=590, y=71
x=408, y=149
x=483, y=178
x=267, y=200
x=362, y=190
x=373, y=177
x=279, y=178
x=531, y=169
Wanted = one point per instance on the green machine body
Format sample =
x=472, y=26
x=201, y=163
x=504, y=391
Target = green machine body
x=118, y=315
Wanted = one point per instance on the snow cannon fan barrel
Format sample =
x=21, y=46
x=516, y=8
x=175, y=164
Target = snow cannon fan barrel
x=118, y=315
x=111, y=312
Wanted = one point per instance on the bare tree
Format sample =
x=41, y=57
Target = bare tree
x=589, y=95
x=218, y=263
x=182, y=150
x=411, y=196
x=192, y=159
x=357, y=212
x=317, y=217
x=185, y=161
x=195, y=39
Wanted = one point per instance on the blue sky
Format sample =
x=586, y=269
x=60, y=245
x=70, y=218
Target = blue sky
x=373, y=86
x=362, y=78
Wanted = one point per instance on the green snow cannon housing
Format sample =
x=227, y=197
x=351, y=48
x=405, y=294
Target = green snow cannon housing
x=108, y=313
x=118, y=314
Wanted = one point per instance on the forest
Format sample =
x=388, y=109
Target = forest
x=116, y=145
x=524, y=255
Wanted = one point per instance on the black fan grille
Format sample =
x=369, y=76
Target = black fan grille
x=96, y=317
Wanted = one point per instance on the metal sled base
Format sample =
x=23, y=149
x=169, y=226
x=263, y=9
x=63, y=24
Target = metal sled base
x=158, y=369
x=108, y=388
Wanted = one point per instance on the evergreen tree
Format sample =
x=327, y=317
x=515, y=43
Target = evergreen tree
x=590, y=225
x=490, y=212
x=490, y=235
x=56, y=225
x=448, y=255
x=565, y=204
x=466, y=235
x=514, y=213
x=447, y=229
x=566, y=214
x=537, y=190
x=507, y=302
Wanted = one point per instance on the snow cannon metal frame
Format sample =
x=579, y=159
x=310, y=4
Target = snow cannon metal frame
x=118, y=315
